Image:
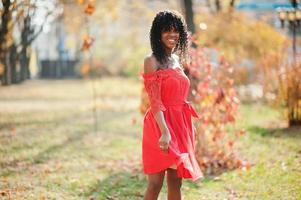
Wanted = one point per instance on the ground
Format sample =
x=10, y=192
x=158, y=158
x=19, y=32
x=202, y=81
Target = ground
x=49, y=148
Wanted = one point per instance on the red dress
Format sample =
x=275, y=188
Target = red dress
x=167, y=90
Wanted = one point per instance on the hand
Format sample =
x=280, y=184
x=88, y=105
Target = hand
x=164, y=141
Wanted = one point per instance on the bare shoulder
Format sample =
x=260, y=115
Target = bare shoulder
x=150, y=64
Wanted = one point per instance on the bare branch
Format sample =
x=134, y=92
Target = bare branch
x=41, y=28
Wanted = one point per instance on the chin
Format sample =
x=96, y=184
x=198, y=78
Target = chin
x=170, y=46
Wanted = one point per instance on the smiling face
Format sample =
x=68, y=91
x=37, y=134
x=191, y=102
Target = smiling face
x=168, y=34
x=170, y=38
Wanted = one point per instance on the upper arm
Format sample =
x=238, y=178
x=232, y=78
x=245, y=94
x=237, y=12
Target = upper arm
x=152, y=85
x=149, y=65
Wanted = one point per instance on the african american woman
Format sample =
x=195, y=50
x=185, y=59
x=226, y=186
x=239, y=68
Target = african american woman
x=168, y=133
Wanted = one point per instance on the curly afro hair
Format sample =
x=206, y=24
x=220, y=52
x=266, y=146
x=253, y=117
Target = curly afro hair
x=165, y=21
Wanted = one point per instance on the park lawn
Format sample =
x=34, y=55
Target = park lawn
x=49, y=148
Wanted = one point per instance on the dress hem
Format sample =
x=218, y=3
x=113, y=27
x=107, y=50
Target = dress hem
x=177, y=163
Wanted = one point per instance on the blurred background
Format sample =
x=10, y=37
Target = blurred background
x=72, y=101
x=51, y=33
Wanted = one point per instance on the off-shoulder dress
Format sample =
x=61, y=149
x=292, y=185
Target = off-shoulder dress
x=167, y=90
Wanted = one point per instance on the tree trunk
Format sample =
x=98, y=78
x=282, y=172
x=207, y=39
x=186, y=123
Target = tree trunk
x=24, y=62
x=27, y=60
x=188, y=9
x=232, y=3
x=7, y=79
x=218, y=5
x=13, y=63
x=5, y=18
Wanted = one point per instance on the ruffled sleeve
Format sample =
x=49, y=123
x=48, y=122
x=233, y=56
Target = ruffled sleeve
x=152, y=83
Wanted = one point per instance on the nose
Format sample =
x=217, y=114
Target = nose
x=174, y=34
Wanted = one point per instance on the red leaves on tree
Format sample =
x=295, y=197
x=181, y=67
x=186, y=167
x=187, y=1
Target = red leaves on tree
x=214, y=96
x=88, y=41
x=80, y=1
x=90, y=8
x=219, y=95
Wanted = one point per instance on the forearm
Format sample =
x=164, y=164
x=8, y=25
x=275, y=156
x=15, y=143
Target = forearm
x=165, y=136
x=159, y=117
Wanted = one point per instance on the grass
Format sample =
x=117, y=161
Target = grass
x=49, y=149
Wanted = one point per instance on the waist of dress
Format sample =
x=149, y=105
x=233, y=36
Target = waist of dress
x=186, y=106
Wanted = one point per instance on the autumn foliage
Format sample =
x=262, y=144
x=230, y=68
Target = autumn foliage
x=282, y=78
x=89, y=8
x=290, y=92
x=88, y=40
x=87, y=43
x=214, y=96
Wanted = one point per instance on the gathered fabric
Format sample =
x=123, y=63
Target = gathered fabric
x=167, y=90
x=152, y=85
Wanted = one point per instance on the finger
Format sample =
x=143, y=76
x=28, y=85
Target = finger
x=165, y=150
x=162, y=143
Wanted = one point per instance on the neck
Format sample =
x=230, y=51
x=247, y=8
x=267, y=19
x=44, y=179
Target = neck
x=168, y=52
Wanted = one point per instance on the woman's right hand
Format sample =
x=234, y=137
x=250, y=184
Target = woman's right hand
x=164, y=141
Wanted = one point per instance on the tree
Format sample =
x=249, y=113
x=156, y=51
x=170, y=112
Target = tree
x=188, y=10
x=282, y=78
x=232, y=4
x=5, y=33
x=217, y=5
x=14, y=50
x=214, y=95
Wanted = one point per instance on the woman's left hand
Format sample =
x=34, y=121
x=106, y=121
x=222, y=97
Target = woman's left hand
x=164, y=141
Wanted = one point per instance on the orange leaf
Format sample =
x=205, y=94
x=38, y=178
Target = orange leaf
x=230, y=143
x=88, y=41
x=80, y=2
x=90, y=9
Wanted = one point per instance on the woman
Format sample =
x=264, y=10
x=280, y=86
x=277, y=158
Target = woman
x=168, y=135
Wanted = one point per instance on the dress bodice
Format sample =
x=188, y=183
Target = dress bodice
x=174, y=86
x=168, y=87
